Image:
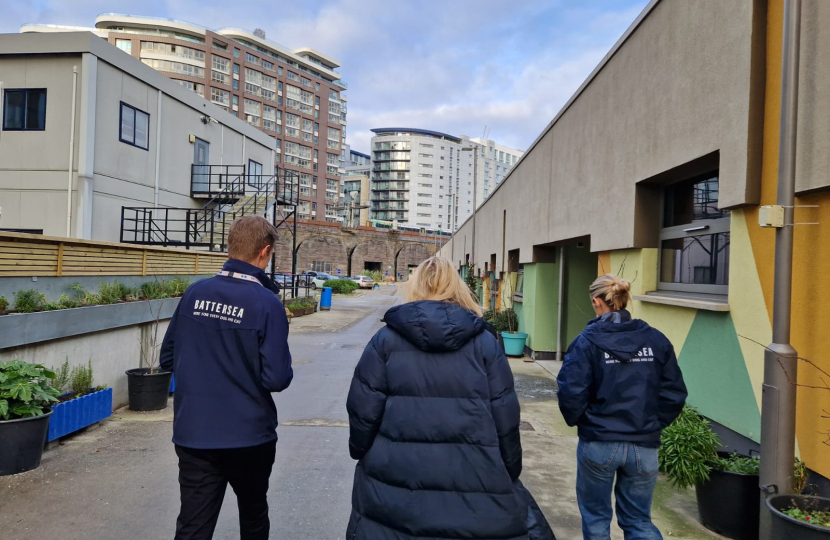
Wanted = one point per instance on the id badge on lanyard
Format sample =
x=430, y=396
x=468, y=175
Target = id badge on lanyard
x=237, y=275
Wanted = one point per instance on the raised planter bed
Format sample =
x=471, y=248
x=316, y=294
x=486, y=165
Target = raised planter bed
x=26, y=328
x=78, y=413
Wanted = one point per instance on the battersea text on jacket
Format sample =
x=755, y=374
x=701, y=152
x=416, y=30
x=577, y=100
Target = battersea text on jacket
x=227, y=345
x=620, y=381
x=434, y=423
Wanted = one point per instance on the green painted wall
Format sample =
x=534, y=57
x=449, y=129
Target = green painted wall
x=716, y=376
x=580, y=272
x=538, y=310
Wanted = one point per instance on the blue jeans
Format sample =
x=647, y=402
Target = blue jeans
x=635, y=468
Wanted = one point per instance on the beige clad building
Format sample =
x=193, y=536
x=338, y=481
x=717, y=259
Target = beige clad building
x=130, y=138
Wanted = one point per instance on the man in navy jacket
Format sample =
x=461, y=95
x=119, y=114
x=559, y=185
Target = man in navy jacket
x=227, y=344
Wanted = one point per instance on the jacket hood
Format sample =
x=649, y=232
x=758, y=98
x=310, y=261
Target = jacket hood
x=620, y=340
x=434, y=326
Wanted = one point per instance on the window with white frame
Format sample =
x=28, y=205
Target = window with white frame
x=292, y=125
x=125, y=45
x=220, y=97
x=694, y=238
x=193, y=87
x=333, y=138
x=221, y=70
x=253, y=112
x=174, y=67
x=269, y=118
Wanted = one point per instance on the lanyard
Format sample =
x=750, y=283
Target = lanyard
x=237, y=275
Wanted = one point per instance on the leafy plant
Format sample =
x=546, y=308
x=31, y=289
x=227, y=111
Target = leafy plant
x=4, y=303
x=813, y=517
x=688, y=448
x=506, y=321
x=112, y=292
x=472, y=281
x=82, y=381
x=341, y=286
x=376, y=275
x=62, y=376
x=25, y=390
x=84, y=297
x=488, y=315
x=738, y=464
x=29, y=301
x=799, y=476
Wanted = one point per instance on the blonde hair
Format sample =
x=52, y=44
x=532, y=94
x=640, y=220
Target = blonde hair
x=612, y=290
x=437, y=279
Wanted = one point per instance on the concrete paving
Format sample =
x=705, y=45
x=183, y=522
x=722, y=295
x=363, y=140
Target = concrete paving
x=119, y=481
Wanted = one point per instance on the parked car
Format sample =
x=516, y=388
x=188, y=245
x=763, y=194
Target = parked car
x=364, y=282
x=318, y=279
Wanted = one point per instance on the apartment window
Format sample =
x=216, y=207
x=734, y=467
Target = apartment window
x=253, y=112
x=220, y=97
x=424, y=175
x=267, y=65
x=125, y=45
x=269, y=118
x=251, y=59
x=333, y=138
x=426, y=155
x=236, y=101
x=175, y=67
x=220, y=46
x=236, y=53
x=236, y=69
x=317, y=87
x=694, y=238
x=135, y=127
x=221, y=68
x=426, y=165
x=305, y=81
x=292, y=76
x=193, y=87
x=24, y=110
x=279, y=86
x=235, y=84
x=279, y=70
x=175, y=50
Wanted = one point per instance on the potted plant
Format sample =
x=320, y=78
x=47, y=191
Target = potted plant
x=25, y=397
x=81, y=405
x=508, y=325
x=800, y=517
x=148, y=387
x=726, y=485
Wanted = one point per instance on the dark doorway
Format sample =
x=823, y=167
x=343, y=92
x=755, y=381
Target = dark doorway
x=372, y=266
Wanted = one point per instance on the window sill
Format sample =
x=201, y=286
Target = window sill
x=518, y=298
x=694, y=301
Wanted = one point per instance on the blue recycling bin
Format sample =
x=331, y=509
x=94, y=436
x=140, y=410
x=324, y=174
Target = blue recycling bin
x=325, y=299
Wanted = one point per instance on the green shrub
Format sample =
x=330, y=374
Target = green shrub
x=83, y=297
x=341, y=286
x=82, y=381
x=177, y=286
x=4, y=303
x=29, y=301
x=25, y=389
x=301, y=303
x=738, y=464
x=62, y=376
x=376, y=275
x=506, y=321
x=688, y=449
x=112, y=292
x=488, y=315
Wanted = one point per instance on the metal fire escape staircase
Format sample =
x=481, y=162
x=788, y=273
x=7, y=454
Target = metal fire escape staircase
x=232, y=196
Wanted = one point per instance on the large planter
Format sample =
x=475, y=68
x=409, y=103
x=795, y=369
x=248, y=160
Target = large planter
x=728, y=504
x=78, y=413
x=21, y=443
x=514, y=343
x=297, y=312
x=783, y=526
x=148, y=391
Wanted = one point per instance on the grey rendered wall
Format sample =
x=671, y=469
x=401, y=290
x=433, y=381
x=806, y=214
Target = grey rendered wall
x=683, y=85
x=813, y=149
x=34, y=164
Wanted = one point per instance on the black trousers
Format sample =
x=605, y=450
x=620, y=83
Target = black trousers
x=203, y=478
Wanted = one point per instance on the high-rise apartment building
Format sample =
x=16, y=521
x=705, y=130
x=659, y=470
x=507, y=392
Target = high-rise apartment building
x=293, y=95
x=427, y=178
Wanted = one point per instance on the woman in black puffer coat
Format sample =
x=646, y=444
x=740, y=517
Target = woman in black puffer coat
x=434, y=424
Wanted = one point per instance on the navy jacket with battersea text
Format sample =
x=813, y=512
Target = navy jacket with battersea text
x=227, y=345
x=620, y=381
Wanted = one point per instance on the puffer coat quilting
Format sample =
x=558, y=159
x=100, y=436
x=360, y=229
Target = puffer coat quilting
x=434, y=424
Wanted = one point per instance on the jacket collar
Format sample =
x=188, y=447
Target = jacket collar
x=614, y=317
x=241, y=267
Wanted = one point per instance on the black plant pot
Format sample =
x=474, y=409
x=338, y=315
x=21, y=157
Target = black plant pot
x=21, y=443
x=148, y=391
x=728, y=504
x=783, y=526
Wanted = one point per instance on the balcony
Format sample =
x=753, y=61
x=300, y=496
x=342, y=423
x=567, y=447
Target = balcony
x=390, y=196
x=224, y=181
x=390, y=205
x=386, y=186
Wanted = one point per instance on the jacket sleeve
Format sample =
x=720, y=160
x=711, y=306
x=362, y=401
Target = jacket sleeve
x=366, y=401
x=672, y=390
x=504, y=406
x=273, y=351
x=168, y=343
x=574, y=380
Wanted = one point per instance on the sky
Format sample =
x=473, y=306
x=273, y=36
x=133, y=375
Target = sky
x=458, y=67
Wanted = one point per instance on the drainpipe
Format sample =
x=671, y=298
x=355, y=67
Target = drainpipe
x=561, y=303
x=71, y=154
x=158, y=151
x=780, y=362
